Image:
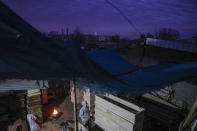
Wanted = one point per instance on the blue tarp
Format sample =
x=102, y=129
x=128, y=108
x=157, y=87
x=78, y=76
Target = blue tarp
x=162, y=75
x=149, y=78
x=26, y=53
x=111, y=61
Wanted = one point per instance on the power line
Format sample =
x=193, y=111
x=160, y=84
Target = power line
x=124, y=16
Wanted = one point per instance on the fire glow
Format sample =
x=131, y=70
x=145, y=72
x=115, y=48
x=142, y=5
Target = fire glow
x=55, y=112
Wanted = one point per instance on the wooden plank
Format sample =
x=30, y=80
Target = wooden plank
x=105, y=127
x=112, y=119
x=158, y=113
x=33, y=91
x=22, y=84
x=109, y=126
x=33, y=98
x=191, y=115
x=158, y=100
x=131, y=105
x=4, y=93
x=44, y=96
x=112, y=113
x=115, y=109
x=34, y=105
x=18, y=84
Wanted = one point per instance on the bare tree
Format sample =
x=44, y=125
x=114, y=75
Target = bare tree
x=168, y=34
x=149, y=35
x=79, y=37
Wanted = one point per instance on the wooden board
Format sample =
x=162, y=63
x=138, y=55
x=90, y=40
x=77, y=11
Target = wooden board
x=34, y=105
x=115, y=109
x=105, y=118
x=131, y=105
x=21, y=84
x=113, y=113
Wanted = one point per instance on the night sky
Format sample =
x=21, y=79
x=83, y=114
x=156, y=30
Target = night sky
x=98, y=16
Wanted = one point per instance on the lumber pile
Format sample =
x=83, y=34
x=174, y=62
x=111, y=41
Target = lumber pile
x=190, y=120
x=12, y=107
x=34, y=105
x=168, y=113
x=19, y=105
x=113, y=113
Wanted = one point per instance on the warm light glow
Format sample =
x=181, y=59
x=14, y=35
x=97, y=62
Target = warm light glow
x=55, y=112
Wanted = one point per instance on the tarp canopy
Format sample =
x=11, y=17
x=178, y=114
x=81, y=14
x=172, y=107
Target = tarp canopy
x=111, y=61
x=149, y=78
x=26, y=54
x=30, y=53
x=161, y=75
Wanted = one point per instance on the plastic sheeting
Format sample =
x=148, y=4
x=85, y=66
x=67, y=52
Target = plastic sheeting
x=111, y=61
x=161, y=75
x=33, y=56
x=149, y=78
x=28, y=53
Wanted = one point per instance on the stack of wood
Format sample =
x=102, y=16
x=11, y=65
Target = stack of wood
x=161, y=110
x=113, y=113
x=12, y=107
x=12, y=103
x=34, y=105
x=19, y=104
x=190, y=121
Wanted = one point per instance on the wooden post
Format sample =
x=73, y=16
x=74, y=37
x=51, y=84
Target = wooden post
x=44, y=96
x=75, y=106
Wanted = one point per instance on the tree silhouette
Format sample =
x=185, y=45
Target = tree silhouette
x=79, y=37
x=168, y=34
x=115, y=38
x=149, y=35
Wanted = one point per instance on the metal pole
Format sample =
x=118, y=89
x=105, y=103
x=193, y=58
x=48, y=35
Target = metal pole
x=75, y=106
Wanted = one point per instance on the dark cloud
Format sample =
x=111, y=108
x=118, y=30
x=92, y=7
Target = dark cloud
x=97, y=15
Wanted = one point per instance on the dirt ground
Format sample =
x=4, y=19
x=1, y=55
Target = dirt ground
x=66, y=108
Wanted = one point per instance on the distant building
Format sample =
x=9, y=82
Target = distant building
x=106, y=45
x=104, y=38
x=97, y=38
x=91, y=39
x=54, y=35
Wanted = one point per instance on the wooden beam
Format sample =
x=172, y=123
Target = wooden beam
x=44, y=96
x=72, y=84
